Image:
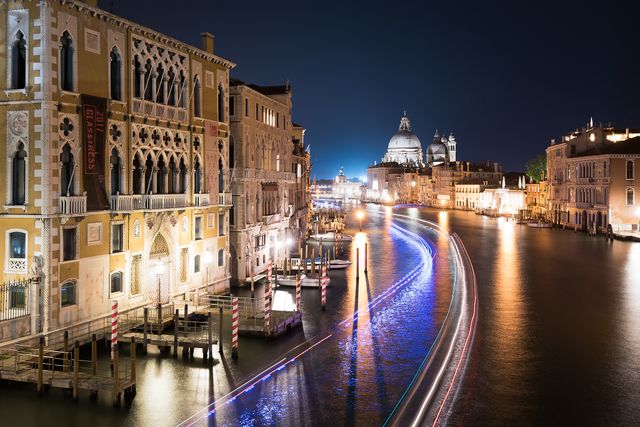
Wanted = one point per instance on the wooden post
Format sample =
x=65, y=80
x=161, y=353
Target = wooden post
x=76, y=369
x=313, y=261
x=366, y=245
x=186, y=314
x=144, y=330
x=220, y=332
x=40, y=364
x=252, y=282
x=209, y=348
x=133, y=361
x=94, y=355
x=116, y=376
x=176, y=325
x=65, y=355
x=357, y=263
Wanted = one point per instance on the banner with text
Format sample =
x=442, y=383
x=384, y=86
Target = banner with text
x=94, y=124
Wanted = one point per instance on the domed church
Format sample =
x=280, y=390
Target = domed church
x=404, y=146
x=441, y=151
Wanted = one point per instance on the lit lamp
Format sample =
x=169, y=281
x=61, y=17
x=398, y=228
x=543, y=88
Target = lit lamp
x=360, y=216
x=207, y=258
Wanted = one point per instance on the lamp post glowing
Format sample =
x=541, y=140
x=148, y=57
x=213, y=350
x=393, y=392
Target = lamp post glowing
x=360, y=216
x=207, y=258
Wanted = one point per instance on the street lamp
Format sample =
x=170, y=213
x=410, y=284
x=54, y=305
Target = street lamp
x=360, y=216
x=207, y=258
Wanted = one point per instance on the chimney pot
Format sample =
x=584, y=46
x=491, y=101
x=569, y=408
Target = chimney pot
x=208, y=42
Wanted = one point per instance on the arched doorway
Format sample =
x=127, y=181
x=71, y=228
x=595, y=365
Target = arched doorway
x=584, y=220
x=158, y=283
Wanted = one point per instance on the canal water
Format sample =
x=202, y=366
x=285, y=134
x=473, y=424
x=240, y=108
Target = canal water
x=558, y=340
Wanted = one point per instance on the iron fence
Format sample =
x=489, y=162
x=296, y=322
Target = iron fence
x=14, y=299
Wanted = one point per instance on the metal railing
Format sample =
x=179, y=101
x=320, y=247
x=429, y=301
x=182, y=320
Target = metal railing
x=14, y=299
x=72, y=205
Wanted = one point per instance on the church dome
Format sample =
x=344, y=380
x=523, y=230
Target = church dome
x=437, y=151
x=404, y=146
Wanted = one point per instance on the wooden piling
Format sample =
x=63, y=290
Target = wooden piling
x=94, y=355
x=76, y=369
x=133, y=362
x=176, y=325
x=116, y=376
x=366, y=245
x=220, y=332
x=313, y=261
x=40, y=365
x=65, y=355
x=357, y=263
x=209, y=348
x=144, y=330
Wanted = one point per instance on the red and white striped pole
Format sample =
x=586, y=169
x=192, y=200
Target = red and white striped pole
x=267, y=312
x=234, y=328
x=299, y=279
x=324, y=286
x=114, y=327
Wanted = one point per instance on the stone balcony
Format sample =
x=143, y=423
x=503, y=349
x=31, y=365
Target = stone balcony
x=161, y=111
x=72, y=205
x=264, y=175
x=132, y=202
x=225, y=199
x=201, y=200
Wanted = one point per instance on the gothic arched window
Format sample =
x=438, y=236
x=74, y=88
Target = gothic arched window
x=182, y=91
x=148, y=87
x=116, y=172
x=629, y=169
x=220, y=177
x=66, y=62
x=138, y=185
x=183, y=177
x=18, y=176
x=197, y=178
x=630, y=197
x=19, y=62
x=160, y=75
x=115, y=69
x=196, y=97
x=67, y=171
x=220, y=103
x=137, y=78
x=171, y=88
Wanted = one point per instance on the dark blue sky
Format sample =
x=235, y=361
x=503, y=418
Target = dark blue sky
x=504, y=76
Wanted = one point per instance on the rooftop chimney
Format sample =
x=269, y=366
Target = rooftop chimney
x=207, y=42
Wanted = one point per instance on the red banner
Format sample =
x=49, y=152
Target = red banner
x=94, y=116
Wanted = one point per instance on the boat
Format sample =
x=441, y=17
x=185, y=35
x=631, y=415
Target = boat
x=539, y=224
x=306, y=282
x=330, y=237
x=334, y=264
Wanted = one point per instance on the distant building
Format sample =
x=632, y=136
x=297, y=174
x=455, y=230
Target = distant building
x=404, y=146
x=592, y=180
x=345, y=189
x=537, y=200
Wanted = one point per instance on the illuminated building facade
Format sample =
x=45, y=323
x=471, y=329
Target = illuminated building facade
x=270, y=178
x=116, y=178
x=581, y=178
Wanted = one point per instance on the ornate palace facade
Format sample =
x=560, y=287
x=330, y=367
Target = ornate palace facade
x=117, y=154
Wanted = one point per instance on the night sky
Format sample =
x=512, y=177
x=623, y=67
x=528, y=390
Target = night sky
x=504, y=76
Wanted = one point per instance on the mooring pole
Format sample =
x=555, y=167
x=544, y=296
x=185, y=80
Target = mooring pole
x=176, y=326
x=94, y=355
x=220, y=331
x=65, y=355
x=357, y=263
x=144, y=330
x=40, y=364
x=76, y=368
x=366, y=245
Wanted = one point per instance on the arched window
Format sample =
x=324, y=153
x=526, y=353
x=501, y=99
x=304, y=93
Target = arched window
x=18, y=176
x=66, y=62
x=116, y=282
x=115, y=67
x=278, y=162
x=231, y=152
x=630, y=197
x=182, y=91
x=148, y=175
x=137, y=78
x=196, y=264
x=173, y=177
x=220, y=177
x=161, y=177
x=17, y=252
x=67, y=172
x=68, y=294
x=220, y=103
x=629, y=169
x=138, y=185
x=19, y=62
x=116, y=172
x=197, y=178
x=196, y=97
x=220, y=257
x=148, y=87
x=171, y=88
x=160, y=75
x=183, y=177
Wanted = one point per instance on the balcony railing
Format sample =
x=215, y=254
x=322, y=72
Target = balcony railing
x=72, y=205
x=150, y=108
x=201, y=200
x=224, y=199
x=14, y=299
x=134, y=202
x=264, y=174
x=17, y=265
x=122, y=202
x=271, y=219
